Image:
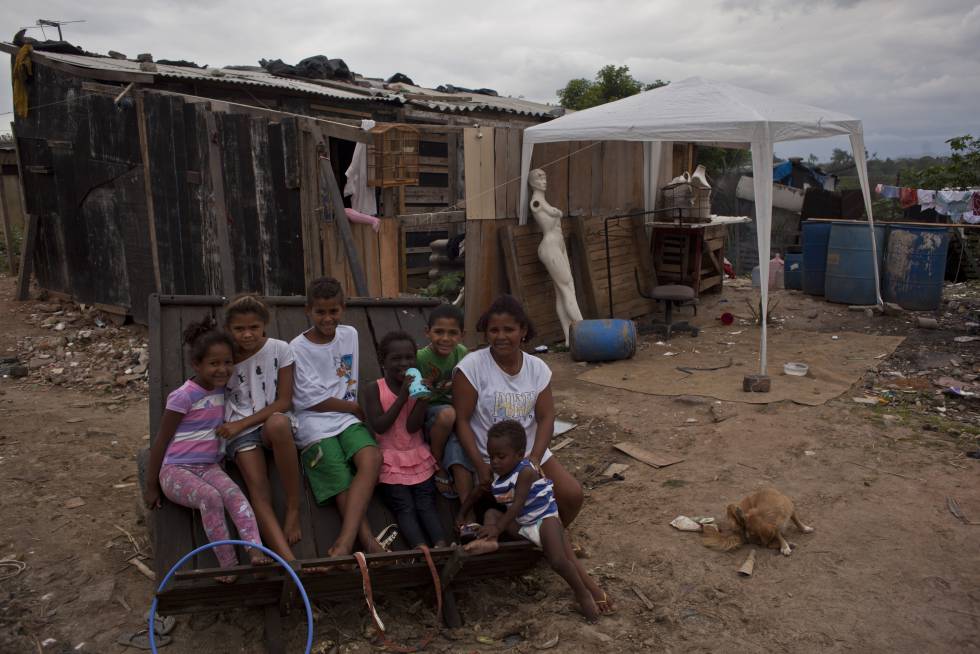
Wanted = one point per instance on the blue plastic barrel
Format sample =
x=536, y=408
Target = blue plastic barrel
x=793, y=271
x=815, y=237
x=850, y=277
x=611, y=339
x=915, y=266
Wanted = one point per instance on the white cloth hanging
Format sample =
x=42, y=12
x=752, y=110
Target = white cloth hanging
x=363, y=199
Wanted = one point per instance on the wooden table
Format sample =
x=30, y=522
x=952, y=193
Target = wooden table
x=692, y=254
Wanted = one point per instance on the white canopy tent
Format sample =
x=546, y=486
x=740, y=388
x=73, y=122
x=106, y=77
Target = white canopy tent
x=716, y=113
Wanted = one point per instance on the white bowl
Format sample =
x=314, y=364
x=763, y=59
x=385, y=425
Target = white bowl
x=796, y=369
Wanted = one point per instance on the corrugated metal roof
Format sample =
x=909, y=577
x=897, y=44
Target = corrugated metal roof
x=442, y=102
x=479, y=102
x=227, y=76
x=494, y=103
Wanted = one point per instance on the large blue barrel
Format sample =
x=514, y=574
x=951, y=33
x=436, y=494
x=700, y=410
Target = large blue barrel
x=793, y=271
x=815, y=237
x=850, y=277
x=602, y=340
x=915, y=266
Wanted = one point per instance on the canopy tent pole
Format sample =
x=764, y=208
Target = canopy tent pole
x=861, y=163
x=762, y=186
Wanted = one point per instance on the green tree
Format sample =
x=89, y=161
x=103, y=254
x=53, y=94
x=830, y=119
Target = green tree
x=611, y=83
x=841, y=159
x=960, y=170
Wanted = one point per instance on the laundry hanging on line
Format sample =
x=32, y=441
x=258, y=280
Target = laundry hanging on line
x=960, y=206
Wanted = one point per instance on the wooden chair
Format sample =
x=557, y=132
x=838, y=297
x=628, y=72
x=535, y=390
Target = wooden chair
x=176, y=530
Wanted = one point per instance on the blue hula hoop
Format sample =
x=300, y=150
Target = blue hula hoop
x=243, y=543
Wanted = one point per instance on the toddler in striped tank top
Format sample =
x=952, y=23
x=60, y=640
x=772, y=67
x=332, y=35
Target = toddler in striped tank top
x=531, y=513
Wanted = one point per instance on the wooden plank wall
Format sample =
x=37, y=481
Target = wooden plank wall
x=585, y=241
x=83, y=181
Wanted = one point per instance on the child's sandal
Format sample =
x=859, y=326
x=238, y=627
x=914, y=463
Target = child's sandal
x=604, y=606
x=386, y=537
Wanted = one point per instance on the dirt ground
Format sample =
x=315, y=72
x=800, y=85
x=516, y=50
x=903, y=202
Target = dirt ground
x=888, y=569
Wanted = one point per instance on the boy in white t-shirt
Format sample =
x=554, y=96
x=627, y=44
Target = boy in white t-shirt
x=339, y=455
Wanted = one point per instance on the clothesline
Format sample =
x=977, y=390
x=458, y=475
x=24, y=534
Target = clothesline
x=960, y=206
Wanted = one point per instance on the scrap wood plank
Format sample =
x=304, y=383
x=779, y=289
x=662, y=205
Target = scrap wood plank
x=645, y=456
x=478, y=159
x=511, y=263
x=27, y=258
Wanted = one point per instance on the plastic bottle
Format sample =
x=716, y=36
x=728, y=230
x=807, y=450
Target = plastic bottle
x=776, y=267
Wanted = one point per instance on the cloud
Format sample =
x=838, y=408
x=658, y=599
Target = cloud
x=908, y=69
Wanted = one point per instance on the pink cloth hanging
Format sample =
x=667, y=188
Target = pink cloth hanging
x=358, y=217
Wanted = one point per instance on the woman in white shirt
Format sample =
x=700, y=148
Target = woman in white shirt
x=502, y=382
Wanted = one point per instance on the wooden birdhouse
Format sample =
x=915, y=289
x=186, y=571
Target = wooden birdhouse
x=393, y=159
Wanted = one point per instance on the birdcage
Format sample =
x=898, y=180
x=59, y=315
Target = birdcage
x=692, y=204
x=393, y=157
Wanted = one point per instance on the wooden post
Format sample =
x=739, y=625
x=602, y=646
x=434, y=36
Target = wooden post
x=8, y=235
x=27, y=258
x=217, y=204
x=389, y=237
x=332, y=198
x=309, y=201
x=579, y=255
x=450, y=612
x=20, y=191
x=148, y=187
x=484, y=274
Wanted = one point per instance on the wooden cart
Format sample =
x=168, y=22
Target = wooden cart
x=175, y=530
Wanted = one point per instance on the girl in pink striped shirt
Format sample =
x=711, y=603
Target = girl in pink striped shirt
x=186, y=453
x=406, y=480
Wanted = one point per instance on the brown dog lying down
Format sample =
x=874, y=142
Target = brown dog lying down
x=760, y=518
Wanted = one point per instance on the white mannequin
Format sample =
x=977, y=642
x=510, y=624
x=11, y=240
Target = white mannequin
x=552, y=251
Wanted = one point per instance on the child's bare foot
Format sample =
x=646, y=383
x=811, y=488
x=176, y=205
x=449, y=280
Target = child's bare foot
x=291, y=527
x=258, y=558
x=587, y=605
x=481, y=546
x=337, y=550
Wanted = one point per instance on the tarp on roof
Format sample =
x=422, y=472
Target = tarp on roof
x=707, y=111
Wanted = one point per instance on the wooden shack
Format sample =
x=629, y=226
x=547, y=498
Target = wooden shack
x=144, y=177
x=599, y=187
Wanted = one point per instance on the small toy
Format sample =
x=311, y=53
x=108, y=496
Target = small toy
x=417, y=389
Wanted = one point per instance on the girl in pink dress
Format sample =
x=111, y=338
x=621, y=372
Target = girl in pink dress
x=406, y=481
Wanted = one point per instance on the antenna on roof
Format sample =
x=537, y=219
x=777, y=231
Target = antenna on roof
x=44, y=22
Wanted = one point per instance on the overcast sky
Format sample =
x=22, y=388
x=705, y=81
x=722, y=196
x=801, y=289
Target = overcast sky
x=909, y=69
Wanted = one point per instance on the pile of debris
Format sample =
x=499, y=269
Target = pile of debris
x=937, y=370
x=84, y=349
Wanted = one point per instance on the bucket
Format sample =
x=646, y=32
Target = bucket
x=850, y=275
x=815, y=237
x=915, y=265
x=610, y=339
x=793, y=271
